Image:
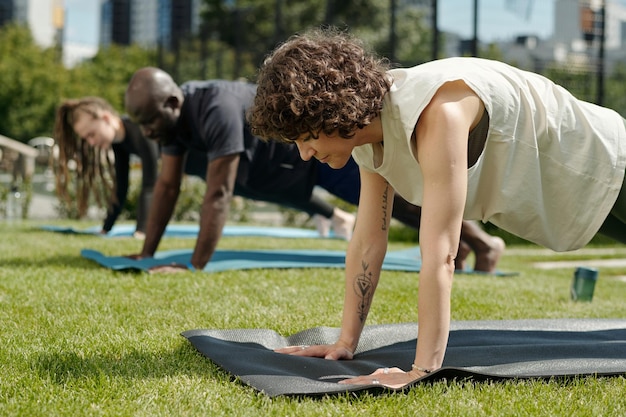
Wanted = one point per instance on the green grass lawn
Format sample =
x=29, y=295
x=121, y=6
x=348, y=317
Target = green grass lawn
x=77, y=339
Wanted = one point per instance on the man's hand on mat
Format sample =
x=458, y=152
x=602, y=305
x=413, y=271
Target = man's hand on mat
x=168, y=269
x=173, y=267
x=388, y=377
x=331, y=352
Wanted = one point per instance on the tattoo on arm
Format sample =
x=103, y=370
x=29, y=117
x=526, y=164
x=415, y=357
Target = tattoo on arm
x=364, y=288
x=385, y=206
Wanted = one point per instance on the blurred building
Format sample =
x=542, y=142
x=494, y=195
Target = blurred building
x=575, y=41
x=578, y=22
x=44, y=18
x=7, y=11
x=148, y=23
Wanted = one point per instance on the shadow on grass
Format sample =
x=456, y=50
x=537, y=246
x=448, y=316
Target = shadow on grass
x=67, y=367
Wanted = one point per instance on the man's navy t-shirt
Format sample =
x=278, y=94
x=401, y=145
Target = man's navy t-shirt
x=213, y=121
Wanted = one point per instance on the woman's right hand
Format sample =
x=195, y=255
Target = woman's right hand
x=330, y=352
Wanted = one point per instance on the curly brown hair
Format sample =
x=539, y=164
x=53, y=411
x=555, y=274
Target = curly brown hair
x=95, y=169
x=323, y=81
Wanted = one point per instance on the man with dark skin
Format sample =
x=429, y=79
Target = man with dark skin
x=209, y=117
x=205, y=121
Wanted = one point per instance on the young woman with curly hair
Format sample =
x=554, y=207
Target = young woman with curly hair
x=464, y=138
x=87, y=130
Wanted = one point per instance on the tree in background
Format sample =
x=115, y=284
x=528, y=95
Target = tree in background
x=234, y=38
x=106, y=74
x=32, y=81
x=241, y=33
x=615, y=90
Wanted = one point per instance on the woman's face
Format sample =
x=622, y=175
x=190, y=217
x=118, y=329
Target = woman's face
x=331, y=150
x=98, y=131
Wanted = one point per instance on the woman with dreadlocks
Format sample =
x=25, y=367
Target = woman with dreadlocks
x=86, y=130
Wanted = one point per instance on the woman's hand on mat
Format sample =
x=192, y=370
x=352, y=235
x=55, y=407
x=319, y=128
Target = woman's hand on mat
x=388, y=377
x=331, y=352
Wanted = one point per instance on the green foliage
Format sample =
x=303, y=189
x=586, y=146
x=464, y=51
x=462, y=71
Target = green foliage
x=254, y=27
x=4, y=197
x=107, y=74
x=187, y=207
x=32, y=80
x=414, y=41
x=615, y=90
x=189, y=204
x=579, y=82
x=232, y=42
x=294, y=218
x=26, y=192
x=492, y=51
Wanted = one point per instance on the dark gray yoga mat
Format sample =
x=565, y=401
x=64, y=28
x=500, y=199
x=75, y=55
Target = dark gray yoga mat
x=480, y=350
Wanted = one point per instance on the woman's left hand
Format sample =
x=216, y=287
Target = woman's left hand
x=387, y=377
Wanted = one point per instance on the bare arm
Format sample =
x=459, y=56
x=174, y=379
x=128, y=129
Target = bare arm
x=441, y=133
x=365, y=255
x=221, y=174
x=364, y=260
x=166, y=193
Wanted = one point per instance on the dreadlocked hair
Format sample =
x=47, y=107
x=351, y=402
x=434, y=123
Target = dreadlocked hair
x=94, y=173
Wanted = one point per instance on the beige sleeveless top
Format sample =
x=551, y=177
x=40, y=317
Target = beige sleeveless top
x=551, y=166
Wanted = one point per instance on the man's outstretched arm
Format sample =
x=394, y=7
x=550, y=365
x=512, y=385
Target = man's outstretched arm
x=164, y=199
x=220, y=185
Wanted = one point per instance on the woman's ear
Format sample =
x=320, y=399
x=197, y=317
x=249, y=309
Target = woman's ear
x=104, y=115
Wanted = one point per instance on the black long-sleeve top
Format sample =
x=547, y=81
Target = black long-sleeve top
x=134, y=143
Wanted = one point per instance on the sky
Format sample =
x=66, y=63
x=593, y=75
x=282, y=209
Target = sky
x=495, y=22
x=82, y=23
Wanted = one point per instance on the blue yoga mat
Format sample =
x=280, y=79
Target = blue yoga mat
x=223, y=260
x=191, y=231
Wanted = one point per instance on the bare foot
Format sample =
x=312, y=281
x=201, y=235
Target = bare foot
x=322, y=224
x=486, y=261
x=461, y=256
x=343, y=224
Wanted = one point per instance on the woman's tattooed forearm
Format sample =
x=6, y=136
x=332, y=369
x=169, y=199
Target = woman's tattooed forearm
x=385, y=206
x=364, y=289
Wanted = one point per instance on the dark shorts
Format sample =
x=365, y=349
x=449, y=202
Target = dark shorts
x=344, y=183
